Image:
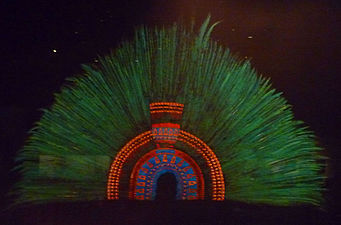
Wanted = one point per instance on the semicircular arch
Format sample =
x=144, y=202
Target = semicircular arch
x=212, y=161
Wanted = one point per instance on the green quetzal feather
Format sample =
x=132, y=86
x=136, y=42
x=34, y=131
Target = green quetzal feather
x=266, y=156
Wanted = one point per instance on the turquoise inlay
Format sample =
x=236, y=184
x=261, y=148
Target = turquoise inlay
x=160, y=151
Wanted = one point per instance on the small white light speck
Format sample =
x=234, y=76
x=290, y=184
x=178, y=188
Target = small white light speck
x=54, y=50
x=249, y=37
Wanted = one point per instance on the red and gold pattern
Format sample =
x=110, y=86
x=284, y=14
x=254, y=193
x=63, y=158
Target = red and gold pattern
x=165, y=132
x=160, y=109
x=216, y=174
x=168, y=106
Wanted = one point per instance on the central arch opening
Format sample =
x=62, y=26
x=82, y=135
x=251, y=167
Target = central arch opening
x=166, y=187
x=167, y=174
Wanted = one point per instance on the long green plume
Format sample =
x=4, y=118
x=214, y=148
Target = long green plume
x=266, y=156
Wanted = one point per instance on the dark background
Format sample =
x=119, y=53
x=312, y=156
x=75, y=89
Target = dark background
x=295, y=43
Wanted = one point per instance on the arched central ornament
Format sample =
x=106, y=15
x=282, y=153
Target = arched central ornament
x=143, y=182
x=166, y=118
x=165, y=158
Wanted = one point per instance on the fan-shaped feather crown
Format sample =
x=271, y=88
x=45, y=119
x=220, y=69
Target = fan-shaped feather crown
x=265, y=155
